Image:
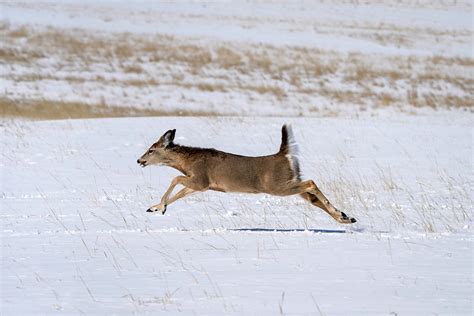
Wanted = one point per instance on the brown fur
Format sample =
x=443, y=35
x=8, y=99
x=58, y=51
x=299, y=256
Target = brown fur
x=211, y=169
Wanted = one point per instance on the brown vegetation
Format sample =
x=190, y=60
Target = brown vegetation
x=57, y=110
x=143, y=61
x=228, y=58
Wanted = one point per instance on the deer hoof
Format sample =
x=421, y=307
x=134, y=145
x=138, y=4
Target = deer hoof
x=153, y=209
x=349, y=220
x=162, y=208
x=159, y=207
x=346, y=219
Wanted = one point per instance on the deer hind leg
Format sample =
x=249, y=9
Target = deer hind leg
x=310, y=192
x=311, y=198
x=190, y=185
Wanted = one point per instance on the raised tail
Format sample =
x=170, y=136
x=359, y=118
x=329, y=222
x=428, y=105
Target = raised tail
x=289, y=148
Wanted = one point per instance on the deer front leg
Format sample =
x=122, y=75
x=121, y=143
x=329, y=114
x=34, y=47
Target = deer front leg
x=312, y=193
x=162, y=205
x=190, y=185
x=181, y=194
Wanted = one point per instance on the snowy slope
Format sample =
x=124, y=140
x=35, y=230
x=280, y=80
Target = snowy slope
x=331, y=25
x=380, y=98
x=283, y=59
x=76, y=237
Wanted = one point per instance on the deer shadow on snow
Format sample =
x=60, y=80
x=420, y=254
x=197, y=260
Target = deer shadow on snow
x=288, y=230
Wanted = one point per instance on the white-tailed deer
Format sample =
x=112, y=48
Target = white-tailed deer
x=210, y=169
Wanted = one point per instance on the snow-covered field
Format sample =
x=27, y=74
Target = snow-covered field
x=76, y=237
x=237, y=59
x=380, y=99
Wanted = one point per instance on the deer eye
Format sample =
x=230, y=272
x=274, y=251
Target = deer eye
x=151, y=151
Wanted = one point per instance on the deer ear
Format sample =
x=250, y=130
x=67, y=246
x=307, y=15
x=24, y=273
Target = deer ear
x=168, y=137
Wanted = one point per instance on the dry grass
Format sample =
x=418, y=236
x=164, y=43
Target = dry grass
x=123, y=51
x=261, y=61
x=205, y=86
x=71, y=45
x=193, y=56
x=228, y=58
x=386, y=99
x=12, y=55
x=437, y=60
x=361, y=71
x=19, y=32
x=276, y=91
x=57, y=110
x=397, y=40
x=319, y=69
x=137, y=69
x=433, y=77
x=438, y=101
x=143, y=61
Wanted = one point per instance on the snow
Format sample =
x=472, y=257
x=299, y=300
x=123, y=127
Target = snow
x=308, y=59
x=76, y=237
x=75, y=234
x=303, y=24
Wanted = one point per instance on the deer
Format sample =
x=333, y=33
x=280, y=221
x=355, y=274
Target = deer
x=205, y=169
